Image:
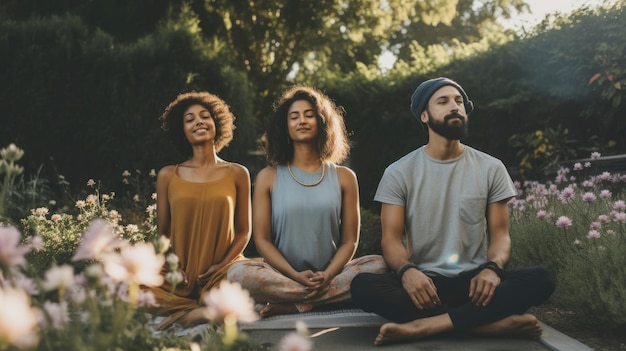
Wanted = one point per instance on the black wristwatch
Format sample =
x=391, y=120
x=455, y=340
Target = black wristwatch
x=494, y=266
x=406, y=267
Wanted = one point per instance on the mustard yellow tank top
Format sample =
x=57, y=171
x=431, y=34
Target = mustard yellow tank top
x=202, y=225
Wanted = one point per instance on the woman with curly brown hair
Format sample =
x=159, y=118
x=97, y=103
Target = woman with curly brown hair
x=203, y=204
x=306, y=217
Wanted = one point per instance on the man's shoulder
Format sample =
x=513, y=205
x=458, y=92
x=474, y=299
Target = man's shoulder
x=481, y=155
x=409, y=158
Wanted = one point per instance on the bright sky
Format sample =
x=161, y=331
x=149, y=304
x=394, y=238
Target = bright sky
x=540, y=8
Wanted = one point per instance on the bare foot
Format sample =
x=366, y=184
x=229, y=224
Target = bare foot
x=272, y=309
x=414, y=330
x=524, y=326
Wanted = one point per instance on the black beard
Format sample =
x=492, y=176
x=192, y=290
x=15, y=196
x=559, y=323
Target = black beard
x=447, y=130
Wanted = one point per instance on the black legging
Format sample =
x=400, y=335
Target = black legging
x=519, y=290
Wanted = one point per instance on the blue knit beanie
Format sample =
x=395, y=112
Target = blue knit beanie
x=419, y=99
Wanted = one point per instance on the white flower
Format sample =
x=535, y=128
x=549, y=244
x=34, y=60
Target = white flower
x=174, y=277
x=11, y=153
x=11, y=252
x=172, y=260
x=77, y=294
x=139, y=264
x=230, y=300
x=98, y=240
x=18, y=319
x=295, y=342
x=59, y=277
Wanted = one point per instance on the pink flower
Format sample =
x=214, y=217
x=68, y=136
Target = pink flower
x=595, y=225
x=563, y=222
x=605, y=194
x=589, y=197
x=567, y=194
x=603, y=219
x=98, y=240
x=578, y=166
x=620, y=217
x=593, y=234
x=36, y=243
x=541, y=214
x=587, y=184
x=11, y=252
x=57, y=315
x=26, y=284
x=147, y=299
x=595, y=155
x=619, y=205
x=587, y=164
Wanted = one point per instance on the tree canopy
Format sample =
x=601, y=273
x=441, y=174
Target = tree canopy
x=273, y=40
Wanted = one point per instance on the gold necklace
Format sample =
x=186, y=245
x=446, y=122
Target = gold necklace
x=303, y=183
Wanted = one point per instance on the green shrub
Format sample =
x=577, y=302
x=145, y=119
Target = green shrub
x=371, y=234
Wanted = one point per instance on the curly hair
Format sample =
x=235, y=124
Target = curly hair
x=172, y=119
x=332, y=138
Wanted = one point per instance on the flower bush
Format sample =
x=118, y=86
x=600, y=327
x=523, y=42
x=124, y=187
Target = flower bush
x=576, y=226
x=74, y=279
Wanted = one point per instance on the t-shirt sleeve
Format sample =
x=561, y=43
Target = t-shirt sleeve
x=502, y=186
x=391, y=189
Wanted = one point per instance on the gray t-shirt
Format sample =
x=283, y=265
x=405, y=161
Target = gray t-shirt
x=306, y=221
x=445, y=205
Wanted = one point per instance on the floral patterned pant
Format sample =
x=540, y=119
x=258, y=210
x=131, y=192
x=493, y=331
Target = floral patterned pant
x=267, y=285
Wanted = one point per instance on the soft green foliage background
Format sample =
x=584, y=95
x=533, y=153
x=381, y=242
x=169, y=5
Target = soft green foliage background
x=82, y=93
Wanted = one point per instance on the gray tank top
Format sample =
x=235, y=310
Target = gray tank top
x=306, y=220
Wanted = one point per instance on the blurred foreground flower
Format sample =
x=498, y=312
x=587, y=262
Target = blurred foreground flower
x=138, y=264
x=295, y=342
x=18, y=320
x=11, y=252
x=229, y=303
x=298, y=340
x=97, y=241
x=59, y=278
x=230, y=300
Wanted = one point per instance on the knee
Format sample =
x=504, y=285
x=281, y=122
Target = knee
x=545, y=281
x=235, y=272
x=359, y=286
